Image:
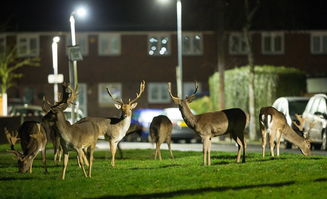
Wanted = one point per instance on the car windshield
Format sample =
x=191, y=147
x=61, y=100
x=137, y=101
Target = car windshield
x=297, y=107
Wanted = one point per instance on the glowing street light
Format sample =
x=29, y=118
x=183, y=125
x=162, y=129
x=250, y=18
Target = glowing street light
x=179, y=68
x=73, y=78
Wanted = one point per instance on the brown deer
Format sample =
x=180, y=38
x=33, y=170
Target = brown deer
x=79, y=136
x=12, y=137
x=160, y=132
x=212, y=124
x=274, y=123
x=33, y=140
x=119, y=126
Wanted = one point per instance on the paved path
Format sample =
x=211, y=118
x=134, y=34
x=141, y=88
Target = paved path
x=224, y=147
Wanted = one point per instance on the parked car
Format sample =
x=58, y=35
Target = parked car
x=290, y=106
x=180, y=130
x=315, y=115
x=141, y=120
x=26, y=110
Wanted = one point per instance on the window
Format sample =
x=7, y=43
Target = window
x=81, y=41
x=158, y=45
x=104, y=98
x=27, y=45
x=2, y=45
x=158, y=93
x=109, y=44
x=319, y=43
x=237, y=45
x=192, y=44
x=272, y=43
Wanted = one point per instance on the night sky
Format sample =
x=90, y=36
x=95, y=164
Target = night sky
x=53, y=15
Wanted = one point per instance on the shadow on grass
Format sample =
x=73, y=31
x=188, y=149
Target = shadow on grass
x=14, y=178
x=197, y=191
x=320, y=180
x=161, y=167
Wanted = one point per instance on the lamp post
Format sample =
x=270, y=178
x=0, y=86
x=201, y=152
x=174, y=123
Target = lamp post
x=179, y=68
x=73, y=77
x=54, y=46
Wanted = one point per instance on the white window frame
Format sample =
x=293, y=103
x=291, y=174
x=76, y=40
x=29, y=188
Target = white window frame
x=104, y=99
x=239, y=48
x=192, y=50
x=29, y=51
x=84, y=45
x=159, y=35
x=109, y=38
x=322, y=48
x=162, y=88
x=3, y=44
x=272, y=36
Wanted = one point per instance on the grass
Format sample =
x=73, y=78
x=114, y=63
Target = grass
x=138, y=176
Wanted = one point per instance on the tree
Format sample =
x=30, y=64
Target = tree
x=9, y=64
x=249, y=13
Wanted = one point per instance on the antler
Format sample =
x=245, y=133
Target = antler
x=119, y=101
x=138, y=95
x=171, y=95
x=191, y=97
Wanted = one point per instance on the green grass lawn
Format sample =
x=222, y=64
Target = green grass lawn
x=137, y=175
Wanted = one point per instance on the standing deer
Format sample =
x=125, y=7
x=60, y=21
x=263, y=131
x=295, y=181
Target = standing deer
x=160, y=131
x=212, y=124
x=79, y=136
x=119, y=126
x=33, y=140
x=274, y=123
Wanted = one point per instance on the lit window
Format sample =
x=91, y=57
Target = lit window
x=272, y=43
x=81, y=41
x=158, y=45
x=104, y=99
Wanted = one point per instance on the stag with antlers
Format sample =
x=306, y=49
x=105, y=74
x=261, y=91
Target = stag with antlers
x=212, y=124
x=79, y=136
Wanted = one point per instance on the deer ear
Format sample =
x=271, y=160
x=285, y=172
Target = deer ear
x=133, y=105
x=118, y=106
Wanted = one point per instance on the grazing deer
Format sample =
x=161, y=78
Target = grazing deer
x=79, y=136
x=274, y=123
x=119, y=126
x=212, y=124
x=33, y=140
x=160, y=131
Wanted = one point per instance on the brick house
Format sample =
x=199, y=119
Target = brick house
x=120, y=60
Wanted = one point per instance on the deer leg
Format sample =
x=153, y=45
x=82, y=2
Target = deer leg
x=66, y=155
x=85, y=154
x=44, y=160
x=113, y=148
x=264, y=141
x=158, y=149
x=278, y=135
x=156, y=152
x=272, y=142
x=241, y=147
x=205, y=149
x=81, y=160
x=209, y=151
x=91, y=160
x=169, y=147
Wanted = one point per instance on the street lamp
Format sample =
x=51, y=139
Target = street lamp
x=54, y=46
x=80, y=12
x=179, y=68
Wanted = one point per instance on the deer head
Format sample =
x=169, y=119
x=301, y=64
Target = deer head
x=180, y=101
x=306, y=149
x=12, y=137
x=127, y=108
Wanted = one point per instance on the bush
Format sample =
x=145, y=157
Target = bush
x=271, y=82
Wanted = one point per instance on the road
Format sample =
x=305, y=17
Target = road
x=223, y=147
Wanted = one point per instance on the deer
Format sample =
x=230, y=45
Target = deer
x=33, y=140
x=118, y=127
x=274, y=123
x=160, y=132
x=212, y=124
x=12, y=137
x=80, y=136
